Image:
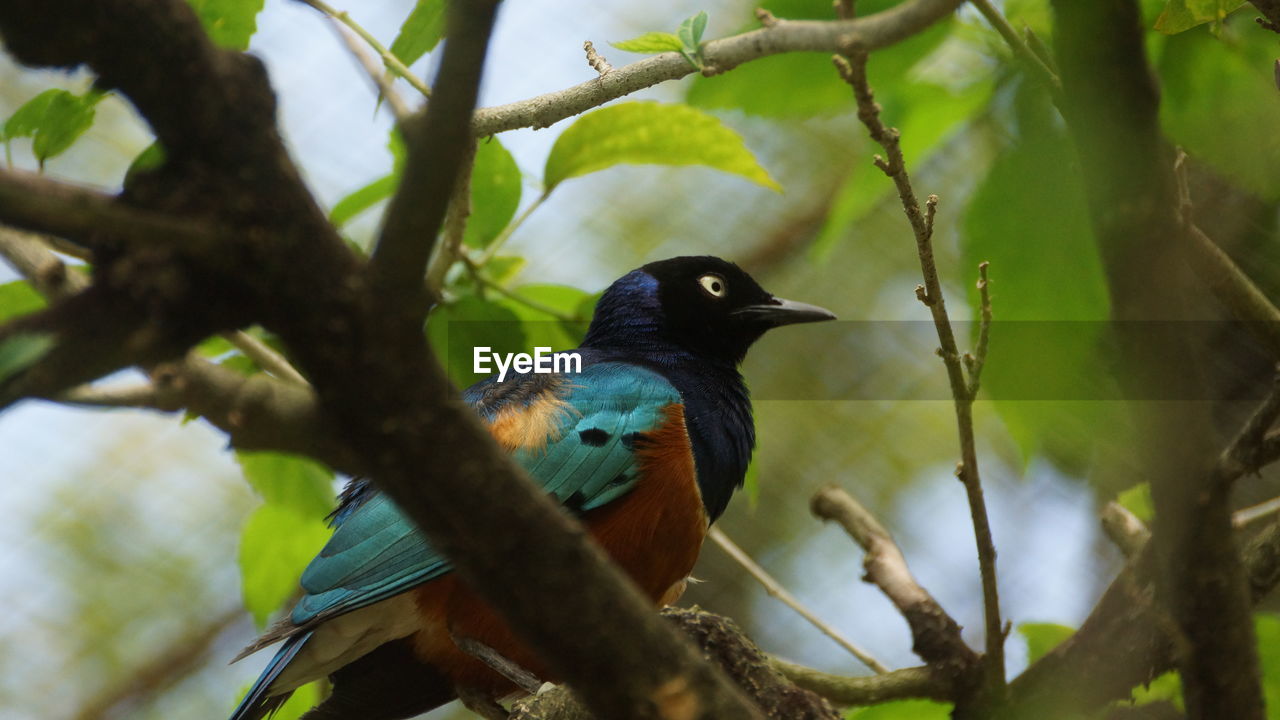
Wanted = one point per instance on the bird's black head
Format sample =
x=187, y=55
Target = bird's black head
x=704, y=305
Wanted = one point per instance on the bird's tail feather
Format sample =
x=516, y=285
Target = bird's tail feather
x=258, y=703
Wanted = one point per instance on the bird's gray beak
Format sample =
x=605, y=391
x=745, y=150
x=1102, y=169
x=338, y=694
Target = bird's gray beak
x=784, y=312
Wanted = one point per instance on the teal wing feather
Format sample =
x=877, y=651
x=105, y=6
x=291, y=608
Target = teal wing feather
x=588, y=461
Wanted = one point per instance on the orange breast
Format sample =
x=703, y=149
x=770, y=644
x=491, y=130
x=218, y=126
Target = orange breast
x=653, y=533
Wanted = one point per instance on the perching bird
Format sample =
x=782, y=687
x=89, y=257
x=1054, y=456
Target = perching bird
x=645, y=446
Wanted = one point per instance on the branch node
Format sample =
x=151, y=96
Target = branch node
x=596, y=60
x=766, y=18
x=923, y=295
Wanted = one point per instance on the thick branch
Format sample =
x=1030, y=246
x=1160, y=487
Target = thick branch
x=1125, y=641
x=374, y=376
x=872, y=32
x=438, y=144
x=724, y=644
x=1113, y=116
x=39, y=204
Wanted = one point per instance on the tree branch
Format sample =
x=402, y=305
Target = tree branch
x=376, y=381
x=388, y=58
x=871, y=32
x=1271, y=10
x=36, y=203
x=841, y=691
x=854, y=72
x=722, y=643
x=437, y=143
x=935, y=634
x=1131, y=188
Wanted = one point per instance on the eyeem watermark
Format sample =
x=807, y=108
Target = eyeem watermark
x=543, y=360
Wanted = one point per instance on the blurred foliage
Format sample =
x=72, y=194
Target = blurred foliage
x=975, y=128
x=1042, y=637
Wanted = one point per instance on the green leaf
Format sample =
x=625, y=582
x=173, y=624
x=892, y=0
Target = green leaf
x=54, y=119
x=495, y=193
x=690, y=32
x=361, y=200
x=215, y=346
x=1182, y=15
x=22, y=350
x=151, y=157
x=275, y=546
x=241, y=364
x=903, y=710
x=1137, y=500
x=1043, y=637
x=399, y=151
x=1166, y=688
x=18, y=298
x=420, y=32
x=300, y=484
x=456, y=329
x=503, y=268
x=229, y=23
x=1238, y=137
x=650, y=133
x=785, y=85
x=1267, y=627
x=650, y=43
x=545, y=330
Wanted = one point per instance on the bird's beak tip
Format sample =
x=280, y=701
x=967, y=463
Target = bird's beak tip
x=787, y=312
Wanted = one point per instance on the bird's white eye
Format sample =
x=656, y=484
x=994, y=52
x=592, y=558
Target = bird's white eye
x=714, y=285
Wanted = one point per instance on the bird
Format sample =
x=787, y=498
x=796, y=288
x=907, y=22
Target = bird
x=644, y=441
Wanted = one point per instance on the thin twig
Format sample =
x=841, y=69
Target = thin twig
x=379, y=78
x=854, y=71
x=265, y=357
x=1245, y=453
x=1021, y=49
x=596, y=60
x=1249, y=515
x=775, y=588
x=437, y=145
x=516, y=296
x=1124, y=529
x=936, y=634
x=503, y=665
x=132, y=395
x=1233, y=288
x=876, y=31
x=455, y=225
x=496, y=244
x=1037, y=46
x=974, y=362
x=392, y=62
x=913, y=682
